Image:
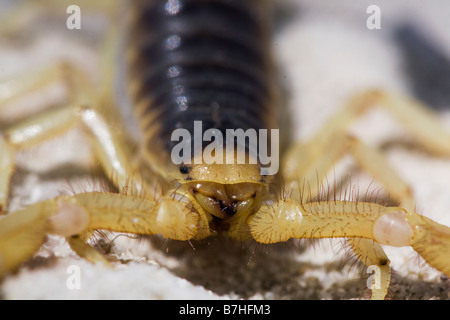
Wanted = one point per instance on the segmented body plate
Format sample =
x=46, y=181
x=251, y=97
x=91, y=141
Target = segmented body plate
x=199, y=61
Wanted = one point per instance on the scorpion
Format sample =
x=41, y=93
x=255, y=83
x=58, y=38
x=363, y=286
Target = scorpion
x=191, y=61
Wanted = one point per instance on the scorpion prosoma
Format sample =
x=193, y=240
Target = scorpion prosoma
x=209, y=61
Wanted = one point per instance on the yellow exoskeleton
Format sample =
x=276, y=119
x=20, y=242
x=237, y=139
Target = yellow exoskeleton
x=209, y=61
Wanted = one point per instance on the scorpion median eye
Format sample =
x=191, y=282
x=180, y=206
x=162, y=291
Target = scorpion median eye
x=185, y=169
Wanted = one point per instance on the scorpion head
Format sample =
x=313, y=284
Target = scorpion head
x=225, y=190
x=225, y=200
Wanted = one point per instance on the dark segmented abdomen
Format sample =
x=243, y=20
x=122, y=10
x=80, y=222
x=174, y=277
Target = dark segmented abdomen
x=198, y=60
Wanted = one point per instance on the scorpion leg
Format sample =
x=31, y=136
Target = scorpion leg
x=392, y=226
x=318, y=156
x=23, y=232
x=109, y=151
x=313, y=160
